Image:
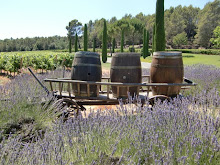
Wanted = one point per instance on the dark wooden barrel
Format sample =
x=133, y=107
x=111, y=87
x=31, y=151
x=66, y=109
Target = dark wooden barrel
x=166, y=67
x=86, y=67
x=125, y=68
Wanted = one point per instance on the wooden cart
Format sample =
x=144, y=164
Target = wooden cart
x=62, y=88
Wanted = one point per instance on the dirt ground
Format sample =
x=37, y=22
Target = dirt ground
x=4, y=80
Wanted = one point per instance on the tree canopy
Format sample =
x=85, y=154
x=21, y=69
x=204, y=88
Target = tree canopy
x=209, y=19
x=216, y=39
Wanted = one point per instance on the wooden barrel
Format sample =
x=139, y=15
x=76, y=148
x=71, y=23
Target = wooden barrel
x=86, y=67
x=166, y=67
x=125, y=68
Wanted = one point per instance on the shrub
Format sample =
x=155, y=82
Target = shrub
x=180, y=39
x=216, y=40
x=131, y=49
x=198, y=51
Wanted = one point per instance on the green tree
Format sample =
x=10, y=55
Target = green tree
x=123, y=24
x=153, y=39
x=97, y=31
x=70, y=43
x=74, y=27
x=104, y=43
x=141, y=17
x=190, y=17
x=145, y=43
x=209, y=19
x=216, y=39
x=113, y=45
x=94, y=44
x=180, y=39
x=122, y=40
x=174, y=22
x=136, y=28
x=76, y=43
x=111, y=34
x=159, y=26
x=85, y=38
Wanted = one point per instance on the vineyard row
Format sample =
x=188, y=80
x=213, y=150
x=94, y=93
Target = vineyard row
x=13, y=62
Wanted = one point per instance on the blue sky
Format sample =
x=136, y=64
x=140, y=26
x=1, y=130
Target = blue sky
x=31, y=18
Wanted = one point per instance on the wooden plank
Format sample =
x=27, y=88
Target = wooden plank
x=51, y=86
x=108, y=78
x=138, y=91
x=108, y=91
x=60, y=88
x=168, y=90
x=158, y=89
x=128, y=90
x=78, y=88
x=98, y=86
x=69, y=90
x=148, y=91
x=88, y=90
x=117, y=91
x=120, y=84
x=73, y=88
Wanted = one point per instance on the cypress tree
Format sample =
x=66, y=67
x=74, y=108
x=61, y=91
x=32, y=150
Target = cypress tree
x=113, y=45
x=85, y=38
x=104, y=43
x=70, y=44
x=159, y=27
x=70, y=41
x=122, y=40
x=76, y=43
x=94, y=44
x=153, y=39
x=147, y=42
x=144, y=44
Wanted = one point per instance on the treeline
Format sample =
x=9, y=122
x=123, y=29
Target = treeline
x=185, y=27
x=31, y=44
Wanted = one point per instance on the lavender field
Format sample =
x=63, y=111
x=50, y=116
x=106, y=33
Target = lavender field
x=185, y=130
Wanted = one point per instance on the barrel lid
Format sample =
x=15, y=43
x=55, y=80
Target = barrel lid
x=167, y=54
x=86, y=53
x=126, y=54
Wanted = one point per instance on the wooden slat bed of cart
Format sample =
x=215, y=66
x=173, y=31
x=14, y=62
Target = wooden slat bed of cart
x=61, y=87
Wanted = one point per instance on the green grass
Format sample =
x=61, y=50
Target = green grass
x=191, y=59
x=106, y=65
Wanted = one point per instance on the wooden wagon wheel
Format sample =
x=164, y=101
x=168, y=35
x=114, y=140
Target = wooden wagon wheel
x=155, y=98
x=66, y=102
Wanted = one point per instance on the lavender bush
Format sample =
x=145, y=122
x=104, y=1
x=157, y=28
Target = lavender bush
x=24, y=105
x=182, y=131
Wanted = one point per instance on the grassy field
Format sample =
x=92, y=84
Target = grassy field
x=191, y=59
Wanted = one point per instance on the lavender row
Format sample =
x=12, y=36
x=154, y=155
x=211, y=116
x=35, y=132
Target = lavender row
x=182, y=131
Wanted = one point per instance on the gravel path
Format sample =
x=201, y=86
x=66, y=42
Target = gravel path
x=143, y=64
